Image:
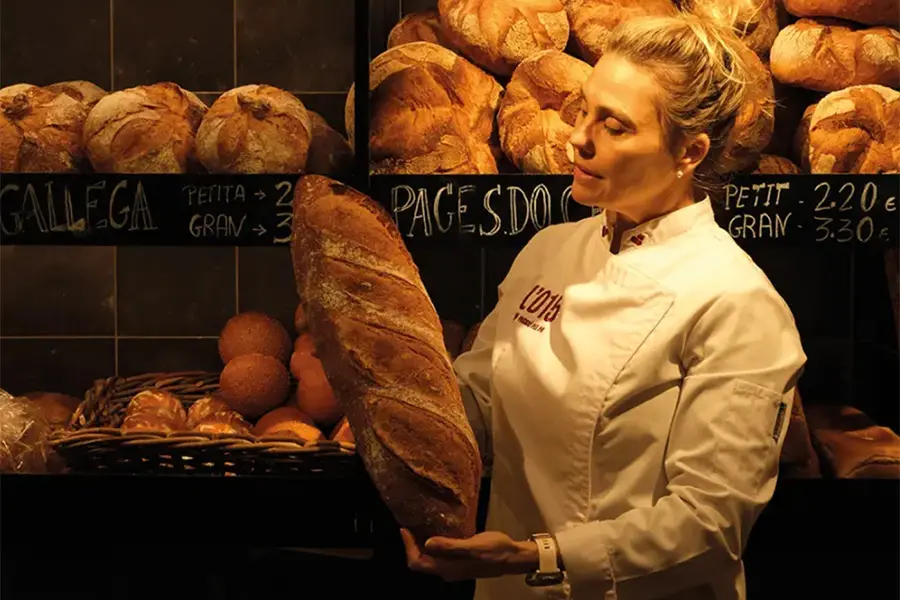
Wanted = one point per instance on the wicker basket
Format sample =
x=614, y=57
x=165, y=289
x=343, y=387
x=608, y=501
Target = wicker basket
x=93, y=441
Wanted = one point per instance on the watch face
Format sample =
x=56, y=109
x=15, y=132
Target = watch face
x=542, y=579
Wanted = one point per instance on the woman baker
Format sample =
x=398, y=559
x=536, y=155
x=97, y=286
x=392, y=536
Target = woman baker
x=632, y=386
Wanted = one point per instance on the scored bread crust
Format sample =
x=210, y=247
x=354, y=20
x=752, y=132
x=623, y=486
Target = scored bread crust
x=827, y=55
x=593, y=20
x=421, y=26
x=755, y=21
x=856, y=130
x=380, y=341
x=539, y=110
x=869, y=12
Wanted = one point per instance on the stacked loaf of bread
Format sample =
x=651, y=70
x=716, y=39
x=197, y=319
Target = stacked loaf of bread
x=75, y=126
x=377, y=335
x=519, y=67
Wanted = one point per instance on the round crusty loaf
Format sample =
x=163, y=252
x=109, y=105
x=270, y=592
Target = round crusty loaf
x=85, y=92
x=593, y=20
x=40, y=131
x=775, y=165
x=830, y=55
x=329, y=152
x=755, y=21
x=868, y=12
x=145, y=129
x=755, y=123
x=856, y=130
x=499, y=34
x=431, y=111
x=255, y=129
x=800, y=145
x=539, y=110
x=421, y=26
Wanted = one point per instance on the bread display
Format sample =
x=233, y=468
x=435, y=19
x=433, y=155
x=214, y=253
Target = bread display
x=869, y=12
x=421, y=26
x=828, y=55
x=756, y=21
x=499, y=34
x=85, y=92
x=539, y=110
x=591, y=21
x=40, y=131
x=379, y=339
x=146, y=129
x=455, y=131
x=255, y=129
x=856, y=130
x=155, y=410
x=851, y=445
x=329, y=153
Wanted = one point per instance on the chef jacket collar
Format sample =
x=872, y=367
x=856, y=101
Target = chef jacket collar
x=660, y=229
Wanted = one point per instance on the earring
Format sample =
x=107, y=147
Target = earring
x=679, y=174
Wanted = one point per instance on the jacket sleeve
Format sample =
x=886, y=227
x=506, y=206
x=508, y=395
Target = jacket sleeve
x=742, y=360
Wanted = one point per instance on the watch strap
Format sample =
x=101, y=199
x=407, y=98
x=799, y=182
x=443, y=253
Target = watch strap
x=548, y=553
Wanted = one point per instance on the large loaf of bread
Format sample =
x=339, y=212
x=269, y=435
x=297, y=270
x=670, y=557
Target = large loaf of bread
x=380, y=341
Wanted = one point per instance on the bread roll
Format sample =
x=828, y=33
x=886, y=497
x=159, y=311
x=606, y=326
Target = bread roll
x=223, y=421
x=255, y=129
x=379, y=338
x=830, y=55
x=157, y=404
x=315, y=396
x=856, y=130
x=432, y=111
x=252, y=332
x=851, y=445
x=85, y=92
x=421, y=26
x=755, y=123
x=254, y=384
x=593, y=20
x=800, y=144
x=342, y=432
x=499, y=34
x=755, y=21
x=205, y=407
x=329, y=153
x=869, y=12
x=539, y=110
x=146, y=129
x=775, y=165
x=40, y=131
x=287, y=421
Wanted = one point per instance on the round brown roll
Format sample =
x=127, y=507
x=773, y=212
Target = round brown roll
x=775, y=165
x=146, y=129
x=856, y=130
x=205, y=407
x=432, y=111
x=253, y=384
x=499, y=34
x=85, y=92
x=329, y=152
x=539, y=110
x=869, y=12
x=828, y=55
x=755, y=123
x=421, y=26
x=255, y=129
x=593, y=20
x=40, y=131
x=755, y=21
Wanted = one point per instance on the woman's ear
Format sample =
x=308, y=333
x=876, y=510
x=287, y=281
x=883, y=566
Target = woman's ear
x=693, y=152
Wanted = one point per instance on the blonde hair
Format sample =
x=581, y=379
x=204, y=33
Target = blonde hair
x=703, y=78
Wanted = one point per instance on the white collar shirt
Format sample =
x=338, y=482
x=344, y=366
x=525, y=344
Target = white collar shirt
x=635, y=405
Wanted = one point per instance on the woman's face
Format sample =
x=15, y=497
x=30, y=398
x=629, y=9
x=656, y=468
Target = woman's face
x=621, y=160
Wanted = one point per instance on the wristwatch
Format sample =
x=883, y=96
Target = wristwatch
x=548, y=572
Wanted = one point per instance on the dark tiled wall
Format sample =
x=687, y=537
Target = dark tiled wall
x=70, y=315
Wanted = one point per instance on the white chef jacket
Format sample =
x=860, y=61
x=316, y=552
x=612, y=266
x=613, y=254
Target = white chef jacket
x=637, y=404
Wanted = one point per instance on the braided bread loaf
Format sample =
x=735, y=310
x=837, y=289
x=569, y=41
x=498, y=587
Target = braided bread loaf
x=539, y=110
x=856, y=130
x=380, y=341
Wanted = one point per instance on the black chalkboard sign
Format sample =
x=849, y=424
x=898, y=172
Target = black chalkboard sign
x=248, y=210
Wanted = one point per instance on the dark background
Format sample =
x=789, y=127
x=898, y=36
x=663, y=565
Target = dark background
x=69, y=315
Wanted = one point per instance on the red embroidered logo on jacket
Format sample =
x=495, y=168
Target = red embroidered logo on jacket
x=540, y=305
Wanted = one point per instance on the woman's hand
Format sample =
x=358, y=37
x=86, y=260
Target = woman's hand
x=485, y=555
